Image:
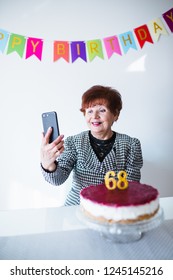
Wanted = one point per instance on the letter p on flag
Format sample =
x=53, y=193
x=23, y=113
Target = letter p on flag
x=16, y=43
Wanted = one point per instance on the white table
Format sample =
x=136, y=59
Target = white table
x=57, y=233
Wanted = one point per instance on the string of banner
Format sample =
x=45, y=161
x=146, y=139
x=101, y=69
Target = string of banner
x=88, y=50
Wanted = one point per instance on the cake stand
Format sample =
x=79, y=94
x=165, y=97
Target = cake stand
x=122, y=233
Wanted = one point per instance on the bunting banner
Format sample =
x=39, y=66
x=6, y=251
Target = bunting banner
x=34, y=47
x=127, y=41
x=156, y=29
x=3, y=39
x=61, y=49
x=78, y=49
x=143, y=35
x=168, y=17
x=94, y=48
x=16, y=44
x=112, y=46
x=88, y=50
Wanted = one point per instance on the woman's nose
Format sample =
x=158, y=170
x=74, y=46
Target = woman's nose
x=96, y=115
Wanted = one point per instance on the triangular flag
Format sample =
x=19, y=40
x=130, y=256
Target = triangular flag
x=61, y=50
x=156, y=28
x=168, y=17
x=94, y=49
x=127, y=41
x=34, y=47
x=78, y=49
x=143, y=35
x=112, y=45
x=4, y=35
x=16, y=44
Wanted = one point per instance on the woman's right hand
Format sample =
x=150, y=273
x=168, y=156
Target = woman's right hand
x=50, y=151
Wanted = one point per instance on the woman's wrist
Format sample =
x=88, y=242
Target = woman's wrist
x=51, y=168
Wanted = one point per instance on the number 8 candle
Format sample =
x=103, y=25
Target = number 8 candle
x=111, y=182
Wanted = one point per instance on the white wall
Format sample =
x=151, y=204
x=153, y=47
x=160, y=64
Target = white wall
x=29, y=87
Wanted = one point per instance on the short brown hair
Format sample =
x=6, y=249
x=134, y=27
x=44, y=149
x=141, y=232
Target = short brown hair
x=102, y=95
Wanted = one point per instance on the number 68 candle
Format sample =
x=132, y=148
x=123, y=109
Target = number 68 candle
x=111, y=183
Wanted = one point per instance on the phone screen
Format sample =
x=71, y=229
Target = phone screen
x=50, y=119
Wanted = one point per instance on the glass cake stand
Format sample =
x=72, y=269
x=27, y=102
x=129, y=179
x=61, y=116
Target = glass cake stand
x=122, y=233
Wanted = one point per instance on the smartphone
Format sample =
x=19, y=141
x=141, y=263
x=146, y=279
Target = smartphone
x=50, y=119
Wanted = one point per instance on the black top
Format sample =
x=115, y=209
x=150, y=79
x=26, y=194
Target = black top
x=102, y=147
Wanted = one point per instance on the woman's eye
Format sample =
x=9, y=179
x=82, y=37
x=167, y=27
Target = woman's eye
x=89, y=111
x=102, y=110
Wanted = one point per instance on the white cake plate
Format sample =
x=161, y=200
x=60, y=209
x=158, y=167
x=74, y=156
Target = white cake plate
x=122, y=233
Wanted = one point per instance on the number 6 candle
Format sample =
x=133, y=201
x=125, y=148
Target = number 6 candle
x=111, y=183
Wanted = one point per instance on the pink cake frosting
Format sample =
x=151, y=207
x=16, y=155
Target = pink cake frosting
x=137, y=202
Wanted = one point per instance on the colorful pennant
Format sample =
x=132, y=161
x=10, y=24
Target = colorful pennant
x=61, y=49
x=4, y=35
x=78, y=49
x=16, y=44
x=168, y=17
x=112, y=46
x=34, y=47
x=157, y=28
x=89, y=50
x=143, y=35
x=94, y=49
x=127, y=41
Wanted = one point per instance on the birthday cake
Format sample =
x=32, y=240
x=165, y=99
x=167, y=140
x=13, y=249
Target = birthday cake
x=137, y=202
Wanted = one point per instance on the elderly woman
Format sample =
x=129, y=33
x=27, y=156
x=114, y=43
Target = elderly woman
x=91, y=154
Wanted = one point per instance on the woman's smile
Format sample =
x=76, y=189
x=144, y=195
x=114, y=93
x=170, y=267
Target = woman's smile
x=96, y=123
x=100, y=119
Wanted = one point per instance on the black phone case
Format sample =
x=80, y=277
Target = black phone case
x=50, y=119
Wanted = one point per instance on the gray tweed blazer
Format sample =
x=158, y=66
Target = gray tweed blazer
x=79, y=157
